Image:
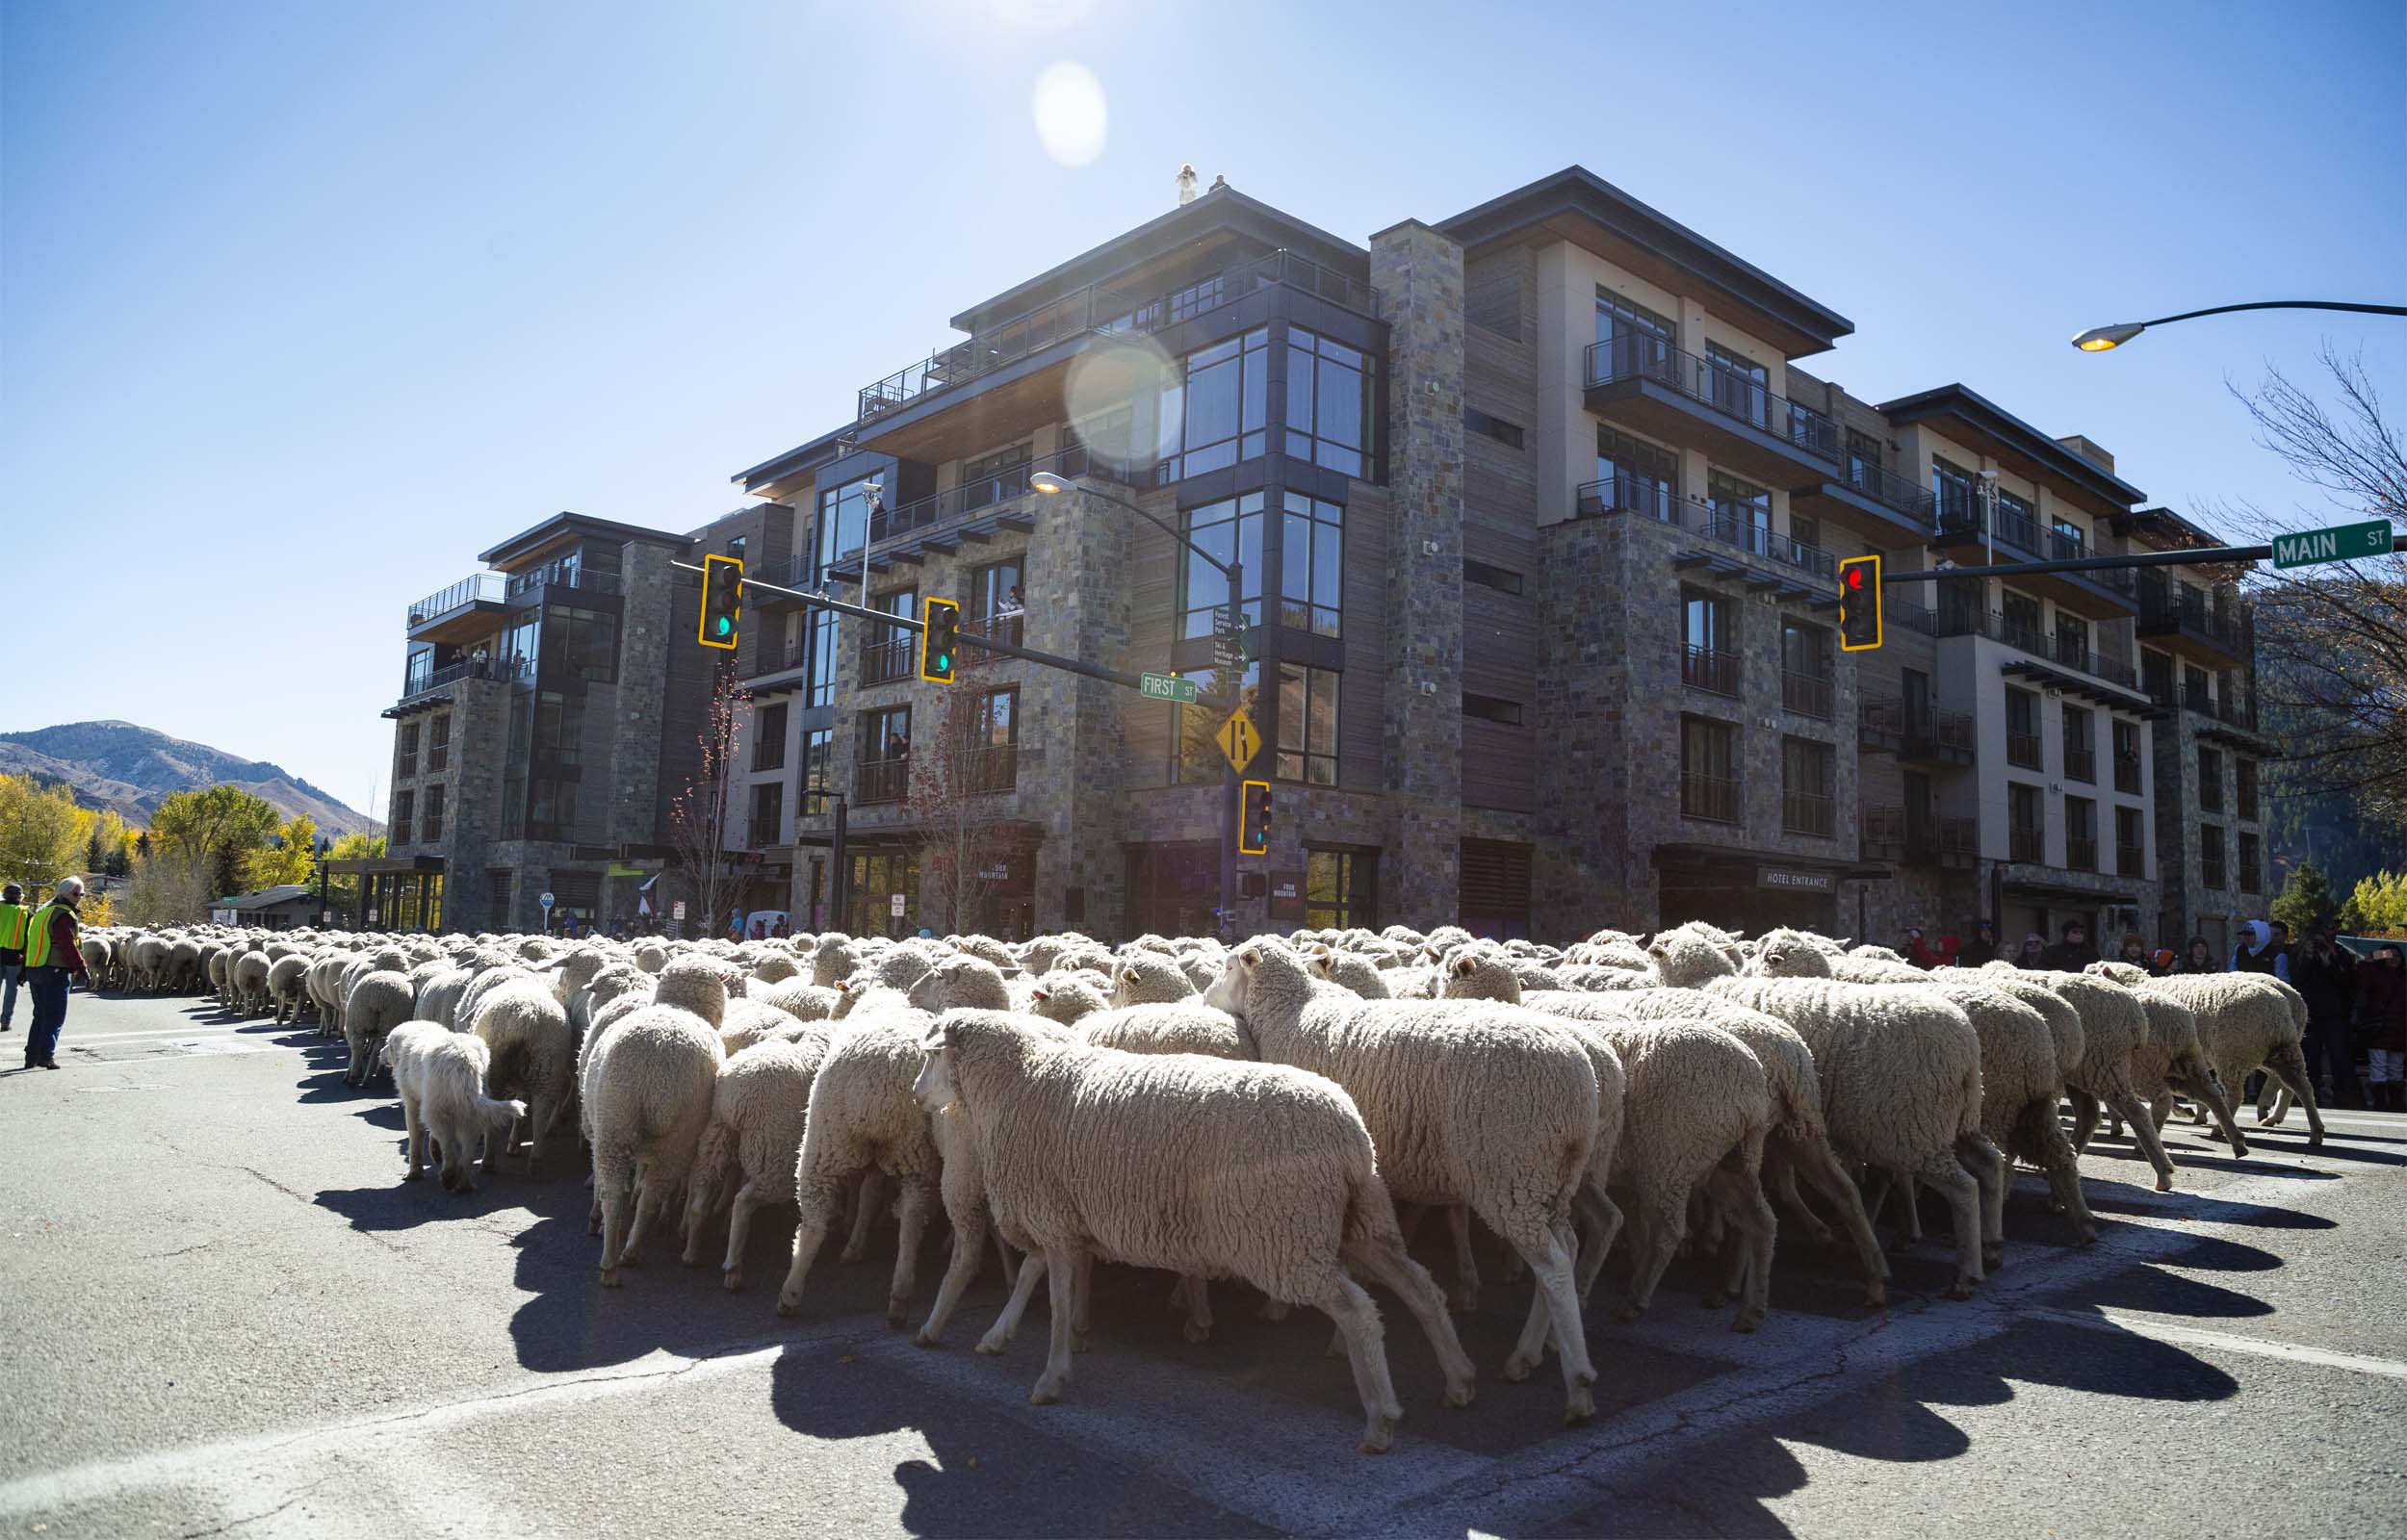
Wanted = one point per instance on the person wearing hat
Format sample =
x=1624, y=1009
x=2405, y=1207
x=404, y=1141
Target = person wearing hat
x=13, y=917
x=2035, y=952
x=1919, y=952
x=1981, y=948
x=51, y=960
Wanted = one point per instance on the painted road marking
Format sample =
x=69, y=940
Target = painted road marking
x=2162, y=1330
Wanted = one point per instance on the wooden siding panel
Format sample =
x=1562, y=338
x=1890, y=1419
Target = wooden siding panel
x=1499, y=767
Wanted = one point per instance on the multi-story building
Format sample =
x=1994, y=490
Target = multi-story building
x=1549, y=517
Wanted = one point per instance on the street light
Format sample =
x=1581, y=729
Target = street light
x=2101, y=339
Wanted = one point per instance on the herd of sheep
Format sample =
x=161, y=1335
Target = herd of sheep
x=1258, y=1112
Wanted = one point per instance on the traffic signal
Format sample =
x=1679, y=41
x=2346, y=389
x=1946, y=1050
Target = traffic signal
x=1859, y=603
x=940, y=645
x=722, y=602
x=1253, y=817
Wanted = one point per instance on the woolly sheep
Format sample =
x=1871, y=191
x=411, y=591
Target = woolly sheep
x=1175, y=1026
x=440, y=1076
x=1158, y=1161
x=1146, y=979
x=1471, y=1106
x=960, y=982
x=754, y=1139
x=1066, y=999
x=2116, y=1040
x=799, y=998
x=1899, y=1070
x=746, y=1022
x=250, y=983
x=376, y=1005
x=700, y=985
x=2166, y=1058
x=651, y=1086
x=534, y=1060
x=2244, y=1021
x=1353, y=971
x=288, y=984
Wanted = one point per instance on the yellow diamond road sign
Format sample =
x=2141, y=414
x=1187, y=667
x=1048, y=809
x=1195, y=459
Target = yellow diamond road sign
x=1239, y=740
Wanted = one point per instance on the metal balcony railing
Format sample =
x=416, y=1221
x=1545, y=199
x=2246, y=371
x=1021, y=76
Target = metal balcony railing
x=1003, y=626
x=1708, y=669
x=474, y=588
x=2081, y=764
x=397, y=832
x=579, y=578
x=882, y=780
x=1756, y=540
x=1711, y=797
x=2165, y=603
x=1732, y=392
x=1889, y=489
x=2022, y=750
x=2127, y=773
x=1099, y=310
x=2068, y=651
x=994, y=768
x=883, y=662
x=1628, y=494
x=1806, y=813
x=1657, y=501
x=1916, y=730
x=2081, y=855
x=2028, y=845
x=1910, y=615
x=1807, y=694
x=431, y=830
x=444, y=678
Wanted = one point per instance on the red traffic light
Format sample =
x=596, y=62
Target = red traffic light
x=1855, y=577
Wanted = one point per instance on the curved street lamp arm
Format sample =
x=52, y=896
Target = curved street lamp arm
x=1158, y=522
x=2282, y=304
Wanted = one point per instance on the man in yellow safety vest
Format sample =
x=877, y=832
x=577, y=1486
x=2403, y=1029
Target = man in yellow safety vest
x=12, y=918
x=50, y=961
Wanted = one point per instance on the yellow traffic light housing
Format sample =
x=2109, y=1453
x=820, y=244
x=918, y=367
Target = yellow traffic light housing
x=722, y=602
x=1859, y=603
x=940, y=644
x=1253, y=817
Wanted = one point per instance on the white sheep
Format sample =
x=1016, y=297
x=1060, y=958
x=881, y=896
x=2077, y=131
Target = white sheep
x=1172, y=1026
x=1147, y=978
x=440, y=1076
x=1160, y=1162
x=1469, y=1105
x=754, y=1139
x=651, y=1086
x=2244, y=1021
x=2116, y=1039
x=377, y=1004
x=288, y=984
x=534, y=1059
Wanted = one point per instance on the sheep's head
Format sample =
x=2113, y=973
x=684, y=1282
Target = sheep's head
x=1064, y=999
x=1245, y=964
x=2122, y=973
x=934, y=1089
x=1147, y=978
x=1479, y=972
x=1784, y=954
x=1686, y=960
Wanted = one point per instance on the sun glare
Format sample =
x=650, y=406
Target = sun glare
x=1071, y=118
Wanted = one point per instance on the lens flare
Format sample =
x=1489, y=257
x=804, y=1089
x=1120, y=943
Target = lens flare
x=1071, y=118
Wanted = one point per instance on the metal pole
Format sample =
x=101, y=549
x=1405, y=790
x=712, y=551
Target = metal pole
x=840, y=869
x=1229, y=778
x=2209, y=556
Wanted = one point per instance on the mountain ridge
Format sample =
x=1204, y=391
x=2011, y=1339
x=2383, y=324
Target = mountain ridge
x=131, y=769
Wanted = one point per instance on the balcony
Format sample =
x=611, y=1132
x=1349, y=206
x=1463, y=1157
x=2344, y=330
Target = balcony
x=2128, y=860
x=994, y=768
x=1704, y=668
x=1917, y=838
x=1095, y=311
x=567, y=577
x=1647, y=384
x=460, y=613
x=1652, y=499
x=431, y=831
x=2070, y=651
x=1914, y=732
x=881, y=781
x=2126, y=774
x=1758, y=541
x=886, y=661
x=2192, y=624
x=1960, y=523
x=2081, y=764
x=2022, y=750
x=1806, y=694
x=2081, y=855
x=1873, y=494
x=425, y=690
x=2027, y=845
x=1805, y=814
x=1709, y=797
x=1004, y=626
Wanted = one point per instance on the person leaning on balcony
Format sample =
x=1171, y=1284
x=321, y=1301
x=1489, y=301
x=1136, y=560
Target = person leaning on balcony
x=2382, y=1023
x=13, y=917
x=50, y=961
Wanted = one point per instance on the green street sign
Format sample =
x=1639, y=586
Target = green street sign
x=1169, y=687
x=2346, y=541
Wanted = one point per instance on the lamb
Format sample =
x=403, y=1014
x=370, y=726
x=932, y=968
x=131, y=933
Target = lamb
x=1476, y=1106
x=1899, y=1070
x=2020, y=1080
x=652, y=1088
x=2244, y=1021
x=1158, y=1161
x=754, y=1139
x=533, y=1060
x=440, y=1076
x=376, y=1005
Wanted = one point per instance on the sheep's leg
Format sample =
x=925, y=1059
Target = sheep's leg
x=1988, y=1167
x=961, y=1270
x=740, y=1212
x=2287, y=1065
x=1667, y=1221
x=1384, y=1260
x=1740, y=1195
x=912, y=1210
x=541, y=1113
x=1553, y=1268
x=1366, y=1352
x=1963, y=1194
x=816, y=1199
x=2217, y=1098
x=2043, y=1145
x=1603, y=1218
x=610, y=1188
x=1198, y=1303
x=651, y=1196
x=864, y=1215
x=2273, y=1103
x=1819, y=1163
x=413, y=1140
x=1007, y=1324
x=1082, y=1299
x=1003, y=1254
x=2085, y=1118
x=2143, y=1133
x=1465, y=1265
x=1062, y=1266
x=1780, y=1167
x=2160, y=1110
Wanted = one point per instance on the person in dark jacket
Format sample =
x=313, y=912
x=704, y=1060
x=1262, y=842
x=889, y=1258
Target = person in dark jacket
x=2327, y=976
x=2035, y=952
x=2382, y=1025
x=13, y=917
x=2260, y=953
x=1981, y=948
x=2199, y=958
x=2074, y=952
x=51, y=960
x=2134, y=951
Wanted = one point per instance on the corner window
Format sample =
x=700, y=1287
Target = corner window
x=820, y=683
x=1329, y=403
x=1213, y=406
x=843, y=521
x=1229, y=529
x=1313, y=574
x=818, y=756
x=1308, y=724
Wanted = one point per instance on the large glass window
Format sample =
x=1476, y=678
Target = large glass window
x=769, y=813
x=559, y=731
x=1311, y=578
x=1230, y=529
x=1338, y=888
x=1642, y=339
x=582, y=643
x=1709, y=655
x=550, y=808
x=1308, y=724
x=995, y=741
x=1742, y=512
x=996, y=478
x=843, y=521
x=2022, y=727
x=1635, y=477
x=818, y=756
x=1809, y=785
x=1955, y=490
x=768, y=738
x=1213, y=406
x=1709, y=769
x=819, y=687
x=405, y=762
x=885, y=755
x=996, y=605
x=1193, y=754
x=1807, y=683
x=1329, y=403
x=887, y=650
x=520, y=644
x=1740, y=386
x=439, y=743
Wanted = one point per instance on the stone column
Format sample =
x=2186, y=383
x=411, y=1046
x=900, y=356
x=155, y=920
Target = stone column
x=1417, y=274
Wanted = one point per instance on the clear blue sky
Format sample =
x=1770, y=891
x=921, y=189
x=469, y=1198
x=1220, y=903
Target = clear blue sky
x=302, y=305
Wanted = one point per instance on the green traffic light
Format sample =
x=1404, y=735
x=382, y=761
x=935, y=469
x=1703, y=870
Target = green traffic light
x=725, y=626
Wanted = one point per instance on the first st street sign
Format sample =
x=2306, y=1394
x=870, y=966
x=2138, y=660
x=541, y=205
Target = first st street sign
x=2347, y=542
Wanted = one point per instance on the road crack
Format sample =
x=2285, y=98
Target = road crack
x=231, y=1524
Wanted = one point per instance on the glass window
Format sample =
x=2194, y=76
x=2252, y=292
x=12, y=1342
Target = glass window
x=1212, y=409
x=1808, y=787
x=1338, y=885
x=1635, y=476
x=993, y=747
x=1194, y=755
x=2211, y=855
x=1955, y=490
x=819, y=686
x=1805, y=648
x=1487, y=427
x=888, y=652
x=1329, y=403
x=995, y=604
x=1709, y=769
x=769, y=813
x=406, y=762
x=1229, y=529
x=1739, y=386
x=1805, y=530
x=1742, y=512
x=2073, y=535
x=1308, y=724
x=1312, y=573
x=768, y=738
x=418, y=670
x=996, y=478
x=1641, y=340
x=819, y=754
x=1491, y=708
x=843, y=521
x=433, y=826
x=439, y=742
x=550, y=808
x=581, y=642
x=885, y=755
x=1711, y=621
x=520, y=644
x=1503, y=580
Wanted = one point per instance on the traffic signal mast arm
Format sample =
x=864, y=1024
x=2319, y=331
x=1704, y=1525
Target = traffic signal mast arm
x=2210, y=556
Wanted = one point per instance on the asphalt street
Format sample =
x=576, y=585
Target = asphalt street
x=225, y=1314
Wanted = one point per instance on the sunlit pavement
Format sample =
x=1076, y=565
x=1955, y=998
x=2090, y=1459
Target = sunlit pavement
x=225, y=1314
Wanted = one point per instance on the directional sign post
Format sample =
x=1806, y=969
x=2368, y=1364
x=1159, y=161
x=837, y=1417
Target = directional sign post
x=1239, y=740
x=545, y=900
x=1169, y=687
x=2346, y=541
